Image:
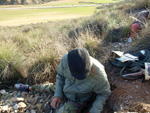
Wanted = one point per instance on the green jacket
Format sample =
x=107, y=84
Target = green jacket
x=82, y=90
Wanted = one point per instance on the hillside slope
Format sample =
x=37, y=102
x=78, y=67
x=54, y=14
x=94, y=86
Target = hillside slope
x=34, y=51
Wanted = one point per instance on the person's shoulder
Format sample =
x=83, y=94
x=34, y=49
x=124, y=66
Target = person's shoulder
x=64, y=59
x=97, y=70
x=96, y=63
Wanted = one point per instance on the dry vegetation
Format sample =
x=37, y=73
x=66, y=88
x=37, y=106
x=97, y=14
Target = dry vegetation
x=34, y=51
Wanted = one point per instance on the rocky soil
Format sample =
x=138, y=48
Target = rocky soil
x=13, y=101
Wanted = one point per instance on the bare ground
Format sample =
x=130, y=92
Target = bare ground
x=127, y=95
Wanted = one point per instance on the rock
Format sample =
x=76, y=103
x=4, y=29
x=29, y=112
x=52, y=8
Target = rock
x=21, y=105
x=27, y=111
x=3, y=92
x=25, y=95
x=33, y=111
x=116, y=46
x=137, y=86
x=16, y=106
x=41, y=100
x=16, y=111
x=11, y=94
x=20, y=99
x=120, y=44
x=4, y=108
x=45, y=105
x=15, y=93
x=18, y=94
x=12, y=104
x=36, y=95
x=39, y=107
x=33, y=100
x=6, y=101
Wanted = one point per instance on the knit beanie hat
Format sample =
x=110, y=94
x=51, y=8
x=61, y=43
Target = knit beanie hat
x=145, y=13
x=79, y=63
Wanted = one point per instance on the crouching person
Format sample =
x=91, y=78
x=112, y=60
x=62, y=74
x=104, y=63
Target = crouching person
x=80, y=77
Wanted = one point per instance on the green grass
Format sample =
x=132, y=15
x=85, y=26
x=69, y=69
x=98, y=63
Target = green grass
x=100, y=1
x=77, y=2
x=28, y=16
x=17, y=17
x=72, y=2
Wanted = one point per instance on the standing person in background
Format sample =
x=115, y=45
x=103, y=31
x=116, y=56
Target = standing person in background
x=80, y=77
x=138, y=24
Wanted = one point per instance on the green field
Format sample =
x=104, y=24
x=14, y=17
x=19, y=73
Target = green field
x=64, y=2
x=28, y=16
x=80, y=2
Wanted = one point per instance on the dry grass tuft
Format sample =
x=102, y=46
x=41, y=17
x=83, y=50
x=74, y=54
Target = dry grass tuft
x=142, y=41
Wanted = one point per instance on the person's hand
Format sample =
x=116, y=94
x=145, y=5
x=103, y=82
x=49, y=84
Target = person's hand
x=55, y=102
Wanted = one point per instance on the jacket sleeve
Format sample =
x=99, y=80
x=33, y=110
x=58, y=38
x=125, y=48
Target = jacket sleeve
x=59, y=81
x=102, y=90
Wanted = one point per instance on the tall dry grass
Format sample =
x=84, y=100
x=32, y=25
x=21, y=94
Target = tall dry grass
x=23, y=47
x=142, y=40
x=34, y=51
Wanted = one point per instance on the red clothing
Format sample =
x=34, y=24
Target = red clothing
x=134, y=28
x=139, y=23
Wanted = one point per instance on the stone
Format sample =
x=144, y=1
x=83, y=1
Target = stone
x=15, y=93
x=20, y=99
x=33, y=100
x=41, y=100
x=16, y=111
x=16, y=106
x=3, y=92
x=39, y=107
x=4, y=108
x=21, y=105
x=11, y=94
x=33, y=111
x=25, y=95
x=27, y=111
x=45, y=105
x=18, y=94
